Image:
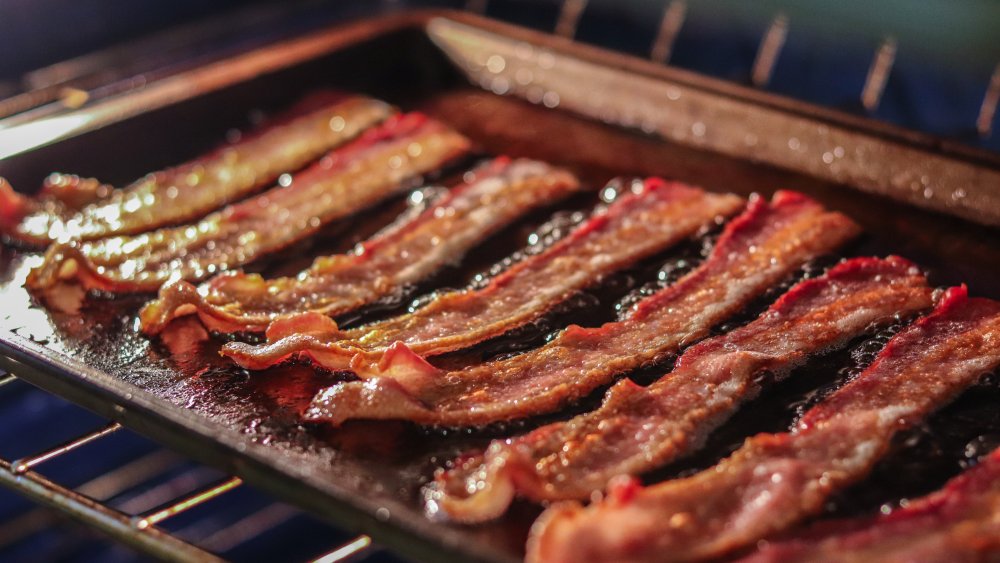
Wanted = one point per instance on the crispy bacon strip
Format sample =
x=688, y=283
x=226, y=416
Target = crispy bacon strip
x=776, y=480
x=959, y=523
x=640, y=428
x=492, y=197
x=71, y=192
x=368, y=170
x=757, y=249
x=636, y=225
x=60, y=195
x=193, y=189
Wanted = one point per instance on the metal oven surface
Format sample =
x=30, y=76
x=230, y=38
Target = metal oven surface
x=367, y=476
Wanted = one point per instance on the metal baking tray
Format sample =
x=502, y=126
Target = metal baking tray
x=515, y=92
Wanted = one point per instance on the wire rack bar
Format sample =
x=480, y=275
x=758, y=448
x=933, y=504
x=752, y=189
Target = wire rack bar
x=569, y=18
x=878, y=74
x=103, y=487
x=666, y=36
x=189, y=502
x=350, y=549
x=770, y=48
x=988, y=110
x=24, y=464
x=100, y=517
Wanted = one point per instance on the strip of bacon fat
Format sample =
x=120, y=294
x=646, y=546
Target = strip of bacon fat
x=375, y=166
x=638, y=429
x=958, y=524
x=775, y=480
x=639, y=223
x=191, y=190
x=757, y=249
x=490, y=198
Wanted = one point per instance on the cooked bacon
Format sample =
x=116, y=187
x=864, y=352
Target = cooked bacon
x=640, y=428
x=71, y=192
x=959, y=523
x=60, y=195
x=636, y=225
x=757, y=249
x=368, y=170
x=490, y=198
x=775, y=480
x=196, y=188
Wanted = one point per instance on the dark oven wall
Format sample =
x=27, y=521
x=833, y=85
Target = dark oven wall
x=941, y=55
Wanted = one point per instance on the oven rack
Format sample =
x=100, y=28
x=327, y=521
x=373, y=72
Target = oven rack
x=65, y=86
x=141, y=531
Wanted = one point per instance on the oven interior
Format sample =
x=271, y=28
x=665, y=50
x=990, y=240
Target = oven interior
x=386, y=463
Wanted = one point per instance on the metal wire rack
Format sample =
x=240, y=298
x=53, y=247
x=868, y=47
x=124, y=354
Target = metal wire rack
x=68, y=85
x=143, y=530
x=768, y=52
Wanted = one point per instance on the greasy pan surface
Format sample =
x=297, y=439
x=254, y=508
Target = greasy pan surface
x=367, y=476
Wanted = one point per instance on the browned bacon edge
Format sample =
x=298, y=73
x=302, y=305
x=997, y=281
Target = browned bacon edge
x=775, y=480
x=61, y=194
x=73, y=192
x=759, y=248
x=488, y=199
x=638, y=224
x=191, y=190
x=960, y=522
x=640, y=428
x=373, y=167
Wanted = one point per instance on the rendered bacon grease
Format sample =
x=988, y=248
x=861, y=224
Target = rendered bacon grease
x=775, y=480
x=191, y=190
x=637, y=224
x=375, y=166
x=958, y=524
x=491, y=197
x=638, y=429
x=758, y=249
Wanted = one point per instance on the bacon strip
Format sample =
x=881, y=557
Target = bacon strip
x=490, y=198
x=961, y=522
x=776, y=480
x=635, y=226
x=61, y=195
x=193, y=189
x=368, y=170
x=759, y=248
x=640, y=428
